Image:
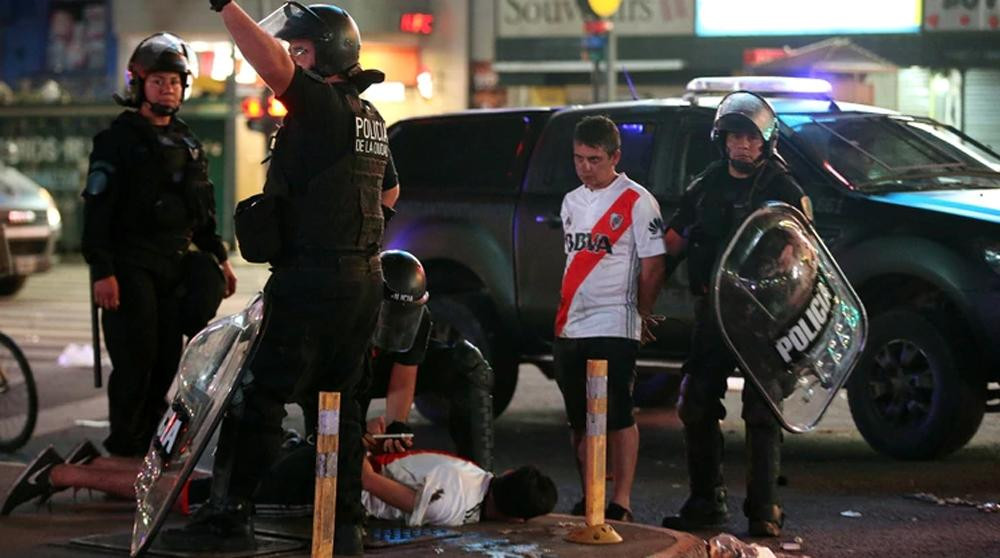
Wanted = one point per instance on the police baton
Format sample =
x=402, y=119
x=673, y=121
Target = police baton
x=95, y=333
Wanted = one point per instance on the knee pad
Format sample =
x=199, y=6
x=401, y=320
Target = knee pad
x=473, y=366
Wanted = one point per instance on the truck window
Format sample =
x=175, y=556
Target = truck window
x=475, y=154
x=557, y=175
x=696, y=153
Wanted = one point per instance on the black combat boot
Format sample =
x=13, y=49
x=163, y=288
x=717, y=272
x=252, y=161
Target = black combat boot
x=348, y=540
x=706, y=506
x=762, y=506
x=214, y=528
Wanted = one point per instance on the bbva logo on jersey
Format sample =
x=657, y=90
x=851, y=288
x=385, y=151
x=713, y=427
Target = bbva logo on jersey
x=588, y=241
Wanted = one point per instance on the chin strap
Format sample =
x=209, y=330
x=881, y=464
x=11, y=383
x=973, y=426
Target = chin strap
x=163, y=110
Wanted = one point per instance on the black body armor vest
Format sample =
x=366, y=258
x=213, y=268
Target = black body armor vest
x=339, y=211
x=166, y=193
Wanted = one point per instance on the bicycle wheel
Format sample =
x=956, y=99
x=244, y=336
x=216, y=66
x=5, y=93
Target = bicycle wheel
x=18, y=398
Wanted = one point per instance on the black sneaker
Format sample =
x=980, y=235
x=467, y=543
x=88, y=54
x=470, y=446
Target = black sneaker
x=33, y=482
x=83, y=453
x=618, y=513
x=213, y=528
x=579, y=508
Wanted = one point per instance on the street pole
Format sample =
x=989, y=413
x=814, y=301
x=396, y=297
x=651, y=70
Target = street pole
x=595, y=81
x=229, y=152
x=610, y=61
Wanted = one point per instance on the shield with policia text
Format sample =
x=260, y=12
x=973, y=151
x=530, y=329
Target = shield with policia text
x=789, y=314
x=209, y=370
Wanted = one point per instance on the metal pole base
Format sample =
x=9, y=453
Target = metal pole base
x=595, y=534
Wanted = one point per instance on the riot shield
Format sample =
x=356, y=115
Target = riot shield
x=788, y=313
x=209, y=370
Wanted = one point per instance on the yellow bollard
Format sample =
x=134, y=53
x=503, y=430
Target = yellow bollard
x=325, y=502
x=594, y=468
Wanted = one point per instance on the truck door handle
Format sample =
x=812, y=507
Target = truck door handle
x=552, y=220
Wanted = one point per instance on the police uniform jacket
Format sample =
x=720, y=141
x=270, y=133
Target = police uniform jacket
x=148, y=197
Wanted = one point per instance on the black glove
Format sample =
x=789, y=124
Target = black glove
x=387, y=213
x=217, y=5
x=398, y=427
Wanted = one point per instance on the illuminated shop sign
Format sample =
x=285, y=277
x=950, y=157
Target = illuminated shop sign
x=563, y=18
x=714, y=18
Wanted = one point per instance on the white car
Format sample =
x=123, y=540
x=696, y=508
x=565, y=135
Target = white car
x=29, y=227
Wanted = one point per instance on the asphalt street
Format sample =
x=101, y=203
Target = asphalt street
x=842, y=499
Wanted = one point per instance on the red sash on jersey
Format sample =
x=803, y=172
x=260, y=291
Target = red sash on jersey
x=585, y=261
x=380, y=461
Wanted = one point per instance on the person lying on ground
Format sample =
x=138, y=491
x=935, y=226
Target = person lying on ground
x=421, y=487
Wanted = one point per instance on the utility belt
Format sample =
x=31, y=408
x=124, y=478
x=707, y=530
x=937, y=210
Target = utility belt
x=340, y=260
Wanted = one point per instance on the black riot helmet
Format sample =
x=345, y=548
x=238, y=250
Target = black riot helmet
x=743, y=111
x=332, y=30
x=403, y=302
x=160, y=52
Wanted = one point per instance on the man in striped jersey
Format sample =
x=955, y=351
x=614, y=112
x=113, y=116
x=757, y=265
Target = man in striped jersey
x=614, y=270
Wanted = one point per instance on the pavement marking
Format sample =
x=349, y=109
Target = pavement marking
x=61, y=417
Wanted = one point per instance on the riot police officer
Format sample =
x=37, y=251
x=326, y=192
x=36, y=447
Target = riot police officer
x=329, y=170
x=748, y=175
x=407, y=360
x=147, y=198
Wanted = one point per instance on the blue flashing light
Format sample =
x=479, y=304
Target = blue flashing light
x=763, y=85
x=632, y=128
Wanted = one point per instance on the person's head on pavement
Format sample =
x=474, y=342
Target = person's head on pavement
x=520, y=494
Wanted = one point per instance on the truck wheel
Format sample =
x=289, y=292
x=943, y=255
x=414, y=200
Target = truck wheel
x=913, y=395
x=463, y=317
x=11, y=284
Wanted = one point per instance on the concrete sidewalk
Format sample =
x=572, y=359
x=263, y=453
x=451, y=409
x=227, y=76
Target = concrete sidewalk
x=46, y=531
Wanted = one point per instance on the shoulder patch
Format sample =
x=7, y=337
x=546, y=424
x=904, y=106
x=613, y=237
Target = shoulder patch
x=97, y=178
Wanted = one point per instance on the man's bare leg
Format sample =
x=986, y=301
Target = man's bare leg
x=115, y=481
x=624, y=448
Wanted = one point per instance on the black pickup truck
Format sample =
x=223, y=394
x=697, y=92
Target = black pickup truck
x=908, y=206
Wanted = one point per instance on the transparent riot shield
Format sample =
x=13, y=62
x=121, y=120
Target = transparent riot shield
x=788, y=313
x=209, y=370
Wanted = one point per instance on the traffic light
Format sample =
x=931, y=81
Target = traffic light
x=598, y=9
x=264, y=114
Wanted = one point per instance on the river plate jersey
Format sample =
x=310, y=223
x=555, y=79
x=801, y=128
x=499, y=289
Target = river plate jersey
x=450, y=490
x=605, y=233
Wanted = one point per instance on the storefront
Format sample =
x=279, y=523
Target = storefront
x=939, y=58
x=62, y=59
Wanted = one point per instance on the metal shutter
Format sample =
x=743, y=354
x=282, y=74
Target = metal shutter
x=982, y=112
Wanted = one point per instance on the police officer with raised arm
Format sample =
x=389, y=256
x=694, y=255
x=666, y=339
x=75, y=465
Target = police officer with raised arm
x=147, y=199
x=717, y=201
x=329, y=170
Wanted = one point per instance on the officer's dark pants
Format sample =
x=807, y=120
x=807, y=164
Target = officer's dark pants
x=700, y=408
x=460, y=374
x=317, y=325
x=144, y=341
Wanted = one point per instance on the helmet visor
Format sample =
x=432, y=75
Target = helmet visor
x=165, y=52
x=741, y=106
x=294, y=21
x=398, y=323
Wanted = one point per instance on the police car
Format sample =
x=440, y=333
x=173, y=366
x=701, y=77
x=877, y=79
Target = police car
x=29, y=227
x=909, y=207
